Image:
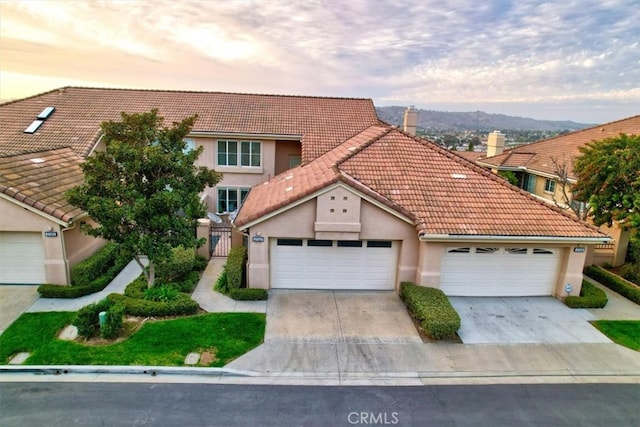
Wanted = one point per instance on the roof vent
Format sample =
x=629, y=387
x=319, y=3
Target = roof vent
x=37, y=160
x=46, y=113
x=34, y=126
x=458, y=176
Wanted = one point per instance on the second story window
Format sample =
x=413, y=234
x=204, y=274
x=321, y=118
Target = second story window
x=239, y=153
x=550, y=186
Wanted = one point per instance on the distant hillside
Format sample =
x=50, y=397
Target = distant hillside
x=444, y=120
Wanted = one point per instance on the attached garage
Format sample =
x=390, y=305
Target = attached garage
x=499, y=271
x=21, y=258
x=333, y=264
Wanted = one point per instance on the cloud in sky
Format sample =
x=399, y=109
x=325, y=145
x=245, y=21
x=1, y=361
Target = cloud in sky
x=571, y=59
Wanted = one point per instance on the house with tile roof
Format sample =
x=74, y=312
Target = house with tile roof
x=545, y=169
x=385, y=207
x=330, y=196
x=249, y=138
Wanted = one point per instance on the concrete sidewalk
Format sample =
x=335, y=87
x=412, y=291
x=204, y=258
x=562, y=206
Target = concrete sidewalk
x=117, y=285
x=215, y=302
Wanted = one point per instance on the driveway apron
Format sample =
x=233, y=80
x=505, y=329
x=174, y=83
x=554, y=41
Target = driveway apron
x=338, y=316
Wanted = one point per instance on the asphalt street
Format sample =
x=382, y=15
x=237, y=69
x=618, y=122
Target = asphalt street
x=134, y=404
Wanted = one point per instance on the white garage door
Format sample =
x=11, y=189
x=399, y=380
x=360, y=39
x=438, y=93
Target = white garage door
x=327, y=264
x=21, y=258
x=493, y=271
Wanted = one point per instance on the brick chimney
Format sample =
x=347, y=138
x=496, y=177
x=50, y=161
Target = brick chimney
x=495, y=143
x=410, y=123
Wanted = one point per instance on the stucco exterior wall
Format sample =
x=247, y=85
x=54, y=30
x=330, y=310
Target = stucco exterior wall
x=285, y=150
x=17, y=218
x=79, y=246
x=299, y=222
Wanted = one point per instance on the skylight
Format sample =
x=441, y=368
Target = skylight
x=46, y=113
x=34, y=126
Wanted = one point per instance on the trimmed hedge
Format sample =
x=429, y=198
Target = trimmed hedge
x=590, y=297
x=248, y=294
x=96, y=285
x=614, y=283
x=140, y=307
x=88, y=323
x=431, y=307
x=93, y=267
x=136, y=304
x=235, y=267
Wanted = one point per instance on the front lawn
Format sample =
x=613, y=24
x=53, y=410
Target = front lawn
x=224, y=336
x=623, y=332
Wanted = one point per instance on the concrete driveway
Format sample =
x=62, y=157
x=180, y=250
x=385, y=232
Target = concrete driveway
x=14, y=300
x=516, y=320
x=338, y=316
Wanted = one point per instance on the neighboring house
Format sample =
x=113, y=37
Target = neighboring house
x=249, y=138
x=40, y=236
x=545, y=169
x=385, y=207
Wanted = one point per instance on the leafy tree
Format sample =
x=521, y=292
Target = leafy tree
x=567, y=197
x=143, y=189
x=608, y=173
x=509, y=176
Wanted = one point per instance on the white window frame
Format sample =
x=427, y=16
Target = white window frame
x=230, y=193
x=243, y=156
x=549, y=186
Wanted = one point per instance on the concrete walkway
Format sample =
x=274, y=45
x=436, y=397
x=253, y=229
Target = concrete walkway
x=215, y=302
x=617, y=308
x=117, y=285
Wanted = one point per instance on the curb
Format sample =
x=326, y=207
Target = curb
x=121, y=370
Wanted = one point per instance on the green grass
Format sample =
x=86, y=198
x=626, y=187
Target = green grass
x=162, y=343
x=623, y=332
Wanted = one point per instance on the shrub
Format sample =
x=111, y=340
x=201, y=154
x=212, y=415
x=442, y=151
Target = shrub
x=432, y=309
x=113, y=325
x=614, y=282
x=88, y=323
x=200, y=263
x=590, y=297
x=631, y=272
x=96, y=285
x=161, y=293
x=248, y=294
x=181, y=262
x=88, y=270
x=633, y=251
x=139, y=307
x=222, y=284
x=185, y=284
x=235, y=267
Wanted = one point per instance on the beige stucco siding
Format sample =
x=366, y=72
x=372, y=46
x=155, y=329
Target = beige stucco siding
x=17, y=218
x=79, y=246
x=300, y=222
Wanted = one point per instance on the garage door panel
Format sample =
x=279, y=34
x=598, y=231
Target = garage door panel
x=352, y=265
x=506, y=272
x=21, y=258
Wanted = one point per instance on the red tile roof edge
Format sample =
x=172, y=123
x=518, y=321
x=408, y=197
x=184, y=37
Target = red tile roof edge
x=63, y=88
x=510, y=150
x=473, y=166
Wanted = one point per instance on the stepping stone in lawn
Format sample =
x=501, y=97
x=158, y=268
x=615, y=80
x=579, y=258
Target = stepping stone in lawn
x=192, y=359
x=69, y=333
x=19, y=358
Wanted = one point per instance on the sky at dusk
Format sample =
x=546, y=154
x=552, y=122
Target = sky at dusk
x=561, y=60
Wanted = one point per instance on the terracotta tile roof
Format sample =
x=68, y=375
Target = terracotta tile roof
x=39, y=180
x=444, y=193
x=538, y=155
x=470, y=155
x=322, y=123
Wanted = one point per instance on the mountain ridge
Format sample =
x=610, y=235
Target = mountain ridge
x=474, y=120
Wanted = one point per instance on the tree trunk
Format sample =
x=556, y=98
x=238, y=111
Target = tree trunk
x=151, y=276
x=149, y=271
